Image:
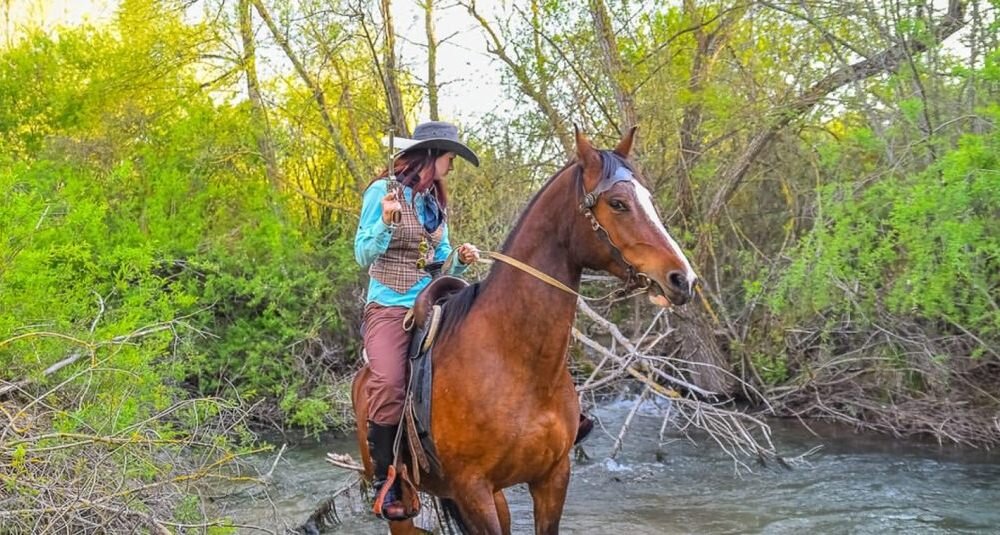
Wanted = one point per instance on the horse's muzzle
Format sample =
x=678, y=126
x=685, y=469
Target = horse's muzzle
x=672, y=290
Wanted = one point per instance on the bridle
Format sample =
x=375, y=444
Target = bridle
x=635, y=281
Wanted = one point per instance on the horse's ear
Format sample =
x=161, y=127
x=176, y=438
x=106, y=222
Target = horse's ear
x=624, y=147
x=586, y=152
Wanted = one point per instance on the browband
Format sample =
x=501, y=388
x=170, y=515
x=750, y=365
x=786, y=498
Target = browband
x=622, y=174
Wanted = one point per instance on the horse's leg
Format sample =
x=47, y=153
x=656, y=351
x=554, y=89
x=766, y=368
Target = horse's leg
x=404, y=527
x=503, y=512
x=548, y=495
x=477, y=509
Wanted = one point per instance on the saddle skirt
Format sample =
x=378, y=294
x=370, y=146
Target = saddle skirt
x=424, y=322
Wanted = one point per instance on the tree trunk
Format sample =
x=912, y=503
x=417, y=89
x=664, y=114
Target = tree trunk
x=888, y=60
x=535, y=92
x=709, y=44
x=699, y=337
x=613, y=65
x=394, y=99
x=697, y=329
x=347, y=98
x=336, y=139
x=263, y=134
x=432, y=48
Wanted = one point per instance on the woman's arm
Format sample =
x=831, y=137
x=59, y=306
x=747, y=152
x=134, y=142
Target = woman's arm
x=444, y=250
x=373, y=236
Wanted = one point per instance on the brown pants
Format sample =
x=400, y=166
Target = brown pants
x=386, y=344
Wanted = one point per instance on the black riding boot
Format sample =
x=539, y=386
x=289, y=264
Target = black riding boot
x=584, y=429
x=380, y=442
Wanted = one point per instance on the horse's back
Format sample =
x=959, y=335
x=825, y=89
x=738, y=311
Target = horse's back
x=359, y=397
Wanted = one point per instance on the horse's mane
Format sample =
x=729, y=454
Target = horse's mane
x=459, y=305
x=611, y=161
x=531, y=203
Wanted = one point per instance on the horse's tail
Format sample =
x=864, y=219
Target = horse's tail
x=453, y=517
x=360, y=401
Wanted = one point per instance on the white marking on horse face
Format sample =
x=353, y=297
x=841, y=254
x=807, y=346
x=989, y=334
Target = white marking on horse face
x=646, y=202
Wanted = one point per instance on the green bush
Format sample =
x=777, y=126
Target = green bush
x=147, y=208
x=924, y=245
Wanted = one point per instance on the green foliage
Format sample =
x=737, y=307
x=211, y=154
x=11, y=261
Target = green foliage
x=923, y=245
x=773, y=369
x=140, y=239
x=143, y=208
x=141, y=236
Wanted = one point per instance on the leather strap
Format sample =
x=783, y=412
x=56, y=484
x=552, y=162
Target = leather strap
x=548, y=279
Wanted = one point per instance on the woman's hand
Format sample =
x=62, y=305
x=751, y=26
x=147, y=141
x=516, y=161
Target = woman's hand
x=468, y=253
x=390, y=207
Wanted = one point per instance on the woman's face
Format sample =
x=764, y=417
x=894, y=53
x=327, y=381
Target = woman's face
x=444, y=164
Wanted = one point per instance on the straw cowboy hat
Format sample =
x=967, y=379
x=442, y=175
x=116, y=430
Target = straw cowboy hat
x=434, y=135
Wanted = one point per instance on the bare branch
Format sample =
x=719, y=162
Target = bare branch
x=318, y=95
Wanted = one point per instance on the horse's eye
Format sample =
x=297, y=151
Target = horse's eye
x=617, y=205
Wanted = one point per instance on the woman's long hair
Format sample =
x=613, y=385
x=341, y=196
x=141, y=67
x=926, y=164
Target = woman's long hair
x=416, y=170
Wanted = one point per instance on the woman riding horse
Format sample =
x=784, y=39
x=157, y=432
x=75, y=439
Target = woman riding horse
x=504, y=409
x=403, y=227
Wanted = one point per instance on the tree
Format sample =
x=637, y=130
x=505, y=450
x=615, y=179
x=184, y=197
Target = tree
x=336, y=139
x=249, y=63
x=394, y=98
x=432, y=49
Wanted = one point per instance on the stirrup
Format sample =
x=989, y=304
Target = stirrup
x=387, y=495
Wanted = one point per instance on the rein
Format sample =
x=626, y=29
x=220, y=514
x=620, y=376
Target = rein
x=550, y=280
x=513, y=262
x=540, y=275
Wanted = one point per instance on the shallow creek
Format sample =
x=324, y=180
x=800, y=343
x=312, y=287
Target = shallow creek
x=855, y=483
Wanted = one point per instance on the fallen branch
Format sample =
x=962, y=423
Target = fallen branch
x=20, y=384
x=620, y=439
x=89, y=349
x=869, y=387
x=628, y=368
x=345, y=461
x=738, y=434
x=325, y=514
x=133, y=477
x=267, y=476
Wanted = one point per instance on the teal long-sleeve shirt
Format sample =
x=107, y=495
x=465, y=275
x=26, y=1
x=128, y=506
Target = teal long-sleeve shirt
x=373, y=237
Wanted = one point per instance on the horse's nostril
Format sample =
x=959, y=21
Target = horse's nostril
x=678, y=281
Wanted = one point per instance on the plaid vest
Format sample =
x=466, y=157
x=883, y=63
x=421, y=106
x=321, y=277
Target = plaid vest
x=397, y=266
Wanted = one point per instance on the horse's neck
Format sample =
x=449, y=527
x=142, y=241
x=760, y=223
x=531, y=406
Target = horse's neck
x=538, y=314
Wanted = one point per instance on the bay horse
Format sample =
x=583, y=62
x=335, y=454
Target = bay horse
x=504, y=409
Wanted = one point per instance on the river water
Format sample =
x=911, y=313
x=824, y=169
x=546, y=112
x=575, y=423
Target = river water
x=855, y=483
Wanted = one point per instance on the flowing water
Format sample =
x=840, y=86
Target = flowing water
x=856, y=483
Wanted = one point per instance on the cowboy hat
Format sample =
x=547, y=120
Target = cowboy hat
x=434, y=135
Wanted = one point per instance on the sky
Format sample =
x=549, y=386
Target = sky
x=52, y=13
x=470, y=76
x=471, y=79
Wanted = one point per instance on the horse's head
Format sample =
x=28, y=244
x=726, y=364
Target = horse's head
x=629, y=239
